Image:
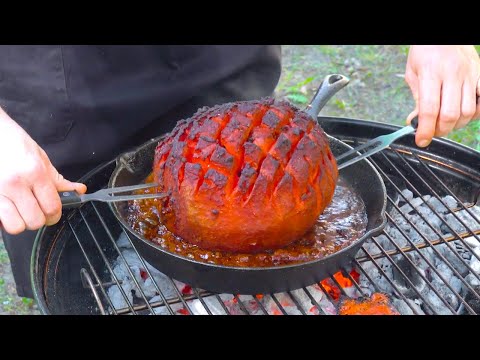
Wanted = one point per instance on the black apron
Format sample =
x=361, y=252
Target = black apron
x=86, y=104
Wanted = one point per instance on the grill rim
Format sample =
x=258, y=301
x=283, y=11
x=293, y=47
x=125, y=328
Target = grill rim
x=35, y=260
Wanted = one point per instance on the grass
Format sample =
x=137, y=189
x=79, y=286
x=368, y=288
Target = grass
x=377, y=89
x=10, y=303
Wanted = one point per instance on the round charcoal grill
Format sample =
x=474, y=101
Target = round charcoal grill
x=427, y=260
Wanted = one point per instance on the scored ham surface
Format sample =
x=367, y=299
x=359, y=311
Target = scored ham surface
x=245, y=176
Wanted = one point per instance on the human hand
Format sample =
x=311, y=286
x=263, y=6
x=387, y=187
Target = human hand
x=445, y=83
x=29, y=183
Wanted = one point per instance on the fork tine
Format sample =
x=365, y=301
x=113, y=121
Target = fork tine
x=135, y=197
x=121, y=189
x=362, y=156
x=361, y=147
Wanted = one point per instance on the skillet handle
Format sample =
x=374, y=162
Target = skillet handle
x=329, y=87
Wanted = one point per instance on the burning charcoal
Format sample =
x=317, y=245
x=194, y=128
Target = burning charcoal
x=287, y=303
x=123, y=241
x=131, y=258
x=437, y=205
x=117, y=298
x=384, y=242
x=414, y=274
x=407, y=194
x=405, y=309
x=424, y=228
x=472, y=280
x=231, y=303
x=407, y=208
x=448, y=275
x=472, y=299
x=474, y=262
x=371, y=248
x=433, y=300
x=377, y=277
x=162, y=310
x=472, y=241
x=148, y=288
x=452, y=258
x=377, y=304
x=177, y=309
x=142, y=277
x=433, y=219
x=198, y=309
x=450, y=201
x=154, y=299
x=397, y=236
x=470, y=221
x=322, y=300
x=436, y=304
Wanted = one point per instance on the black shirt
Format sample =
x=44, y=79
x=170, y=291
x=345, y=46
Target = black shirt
x=86, y=104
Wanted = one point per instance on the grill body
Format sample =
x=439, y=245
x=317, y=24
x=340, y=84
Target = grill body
x=73, y=261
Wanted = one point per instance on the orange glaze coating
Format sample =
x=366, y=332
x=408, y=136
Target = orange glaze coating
x=343, y=222
x=245, y=177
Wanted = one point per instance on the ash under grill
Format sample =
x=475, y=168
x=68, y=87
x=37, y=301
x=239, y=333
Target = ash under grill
x=427, y=260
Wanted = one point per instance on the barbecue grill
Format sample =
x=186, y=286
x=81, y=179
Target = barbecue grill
x=427, y=260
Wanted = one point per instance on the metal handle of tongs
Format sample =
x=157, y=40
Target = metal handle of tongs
x=375, y=145
x=71, y=199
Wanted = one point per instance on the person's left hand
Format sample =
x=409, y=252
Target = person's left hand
x=445, y=83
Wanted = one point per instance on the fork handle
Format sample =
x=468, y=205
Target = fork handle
x=70, y=199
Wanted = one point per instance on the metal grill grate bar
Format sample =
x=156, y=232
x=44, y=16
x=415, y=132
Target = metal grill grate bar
x=407, y=249
x=90, y=265
x=435, y=194
x=280, y=307
x=439, y=274
x=395, y=159
x=313, y=301
x=157, y=288
x=110, y=270
x=454, y=251
x=392, y=284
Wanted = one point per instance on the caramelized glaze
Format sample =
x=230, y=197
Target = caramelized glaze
x=342, y=223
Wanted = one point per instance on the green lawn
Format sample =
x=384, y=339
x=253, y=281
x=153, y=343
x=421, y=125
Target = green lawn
x=377, y=89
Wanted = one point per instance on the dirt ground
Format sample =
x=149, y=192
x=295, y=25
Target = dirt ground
x=377, y=91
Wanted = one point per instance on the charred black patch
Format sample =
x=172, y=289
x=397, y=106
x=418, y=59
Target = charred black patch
x=270, y=119
x=222, y=158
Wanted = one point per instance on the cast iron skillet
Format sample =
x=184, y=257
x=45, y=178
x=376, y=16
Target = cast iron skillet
x=133, y=167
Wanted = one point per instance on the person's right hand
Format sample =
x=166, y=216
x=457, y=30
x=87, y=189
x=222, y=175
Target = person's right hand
x=29, y=183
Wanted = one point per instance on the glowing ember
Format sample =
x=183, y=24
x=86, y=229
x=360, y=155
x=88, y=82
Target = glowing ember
x=332, y=289
x=182, y=311
x=186, y=290
x=378, y=304
x=355, y=275
x=276, y=312
x=143, y=274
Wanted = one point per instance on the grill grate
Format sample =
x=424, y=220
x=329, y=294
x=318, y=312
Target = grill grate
x=401, y=168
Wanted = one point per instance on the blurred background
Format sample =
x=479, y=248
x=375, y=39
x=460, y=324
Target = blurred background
x=377, y=91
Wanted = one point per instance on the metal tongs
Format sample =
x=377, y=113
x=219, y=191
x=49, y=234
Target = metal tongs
x=375, y=145
x=71, y=199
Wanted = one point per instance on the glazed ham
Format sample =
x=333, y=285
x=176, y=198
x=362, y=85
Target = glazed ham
x=246, y=176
